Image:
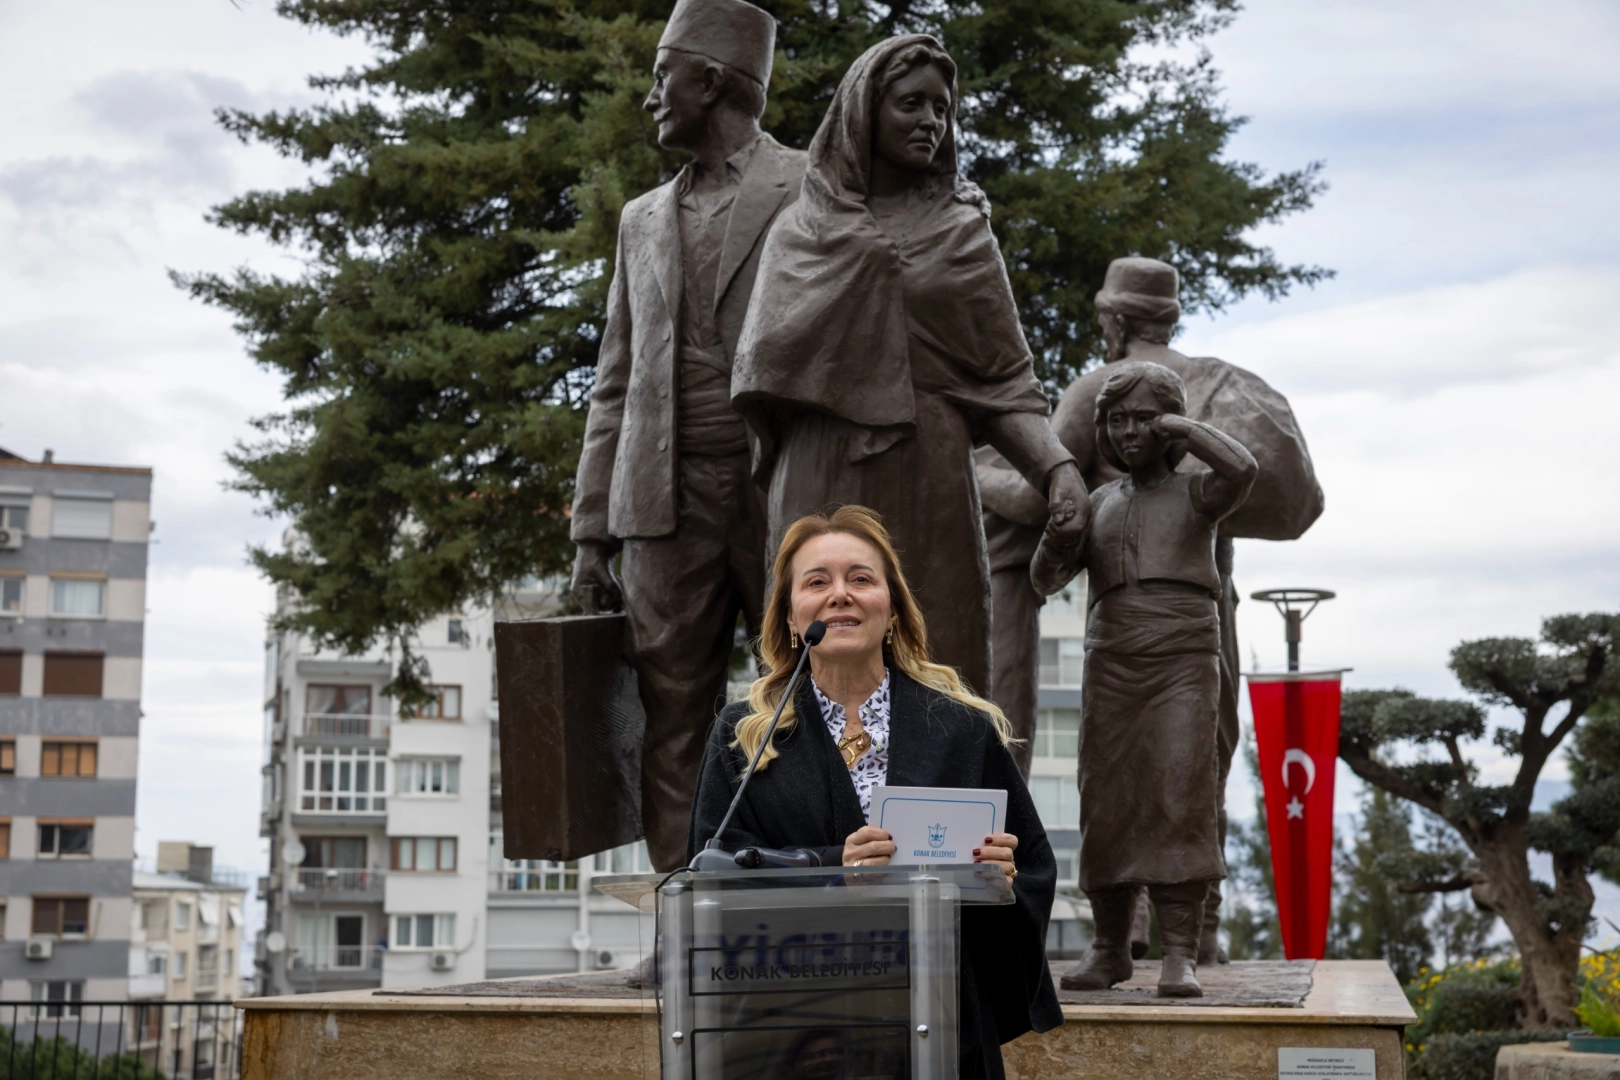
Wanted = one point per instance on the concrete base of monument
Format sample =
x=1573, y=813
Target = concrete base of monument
x=587, y=1027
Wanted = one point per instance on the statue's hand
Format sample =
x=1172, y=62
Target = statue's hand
x=595, y=588
x=1068, y=505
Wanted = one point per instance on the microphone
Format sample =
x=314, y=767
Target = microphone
x=752, y=858
x=713, y=856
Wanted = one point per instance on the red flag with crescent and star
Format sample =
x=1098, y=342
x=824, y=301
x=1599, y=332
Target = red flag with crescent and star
x=1296, y=731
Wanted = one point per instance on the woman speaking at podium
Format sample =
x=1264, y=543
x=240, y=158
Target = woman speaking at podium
x=876, y=710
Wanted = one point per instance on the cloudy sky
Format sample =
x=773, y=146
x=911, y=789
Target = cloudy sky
x=1457, y=381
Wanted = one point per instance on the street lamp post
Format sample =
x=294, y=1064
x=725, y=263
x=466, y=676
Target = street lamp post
x=1293, y=605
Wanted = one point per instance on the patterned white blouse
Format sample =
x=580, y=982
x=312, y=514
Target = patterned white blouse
x=871, y=768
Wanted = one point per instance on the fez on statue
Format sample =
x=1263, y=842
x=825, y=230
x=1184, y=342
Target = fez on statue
x=1149, y=780
x=664, y=473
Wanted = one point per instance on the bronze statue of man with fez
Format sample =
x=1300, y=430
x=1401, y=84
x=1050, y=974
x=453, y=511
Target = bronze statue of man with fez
x=664, y=475
x=1138, y=308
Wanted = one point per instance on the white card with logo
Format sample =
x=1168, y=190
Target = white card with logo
x=938, y=825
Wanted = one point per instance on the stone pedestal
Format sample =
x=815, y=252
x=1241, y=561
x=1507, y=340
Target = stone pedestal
x=1554, y=1061
x=369, y=1035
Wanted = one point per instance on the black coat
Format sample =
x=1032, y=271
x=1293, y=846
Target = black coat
x=805, y=798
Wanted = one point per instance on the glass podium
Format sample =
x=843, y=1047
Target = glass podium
x=828, y=972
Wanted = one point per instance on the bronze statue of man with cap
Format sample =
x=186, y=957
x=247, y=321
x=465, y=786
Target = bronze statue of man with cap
x=664, y=476
x=1138, y=308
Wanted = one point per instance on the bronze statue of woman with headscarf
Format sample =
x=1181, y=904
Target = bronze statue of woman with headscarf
x=883, y=342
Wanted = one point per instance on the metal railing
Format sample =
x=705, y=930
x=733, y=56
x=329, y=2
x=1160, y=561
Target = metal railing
x=347, y=725
x=120, y=1040
x=339, y=879
x=335, y=958
x=535, y=875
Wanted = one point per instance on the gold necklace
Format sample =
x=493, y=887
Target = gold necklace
x=852, y=747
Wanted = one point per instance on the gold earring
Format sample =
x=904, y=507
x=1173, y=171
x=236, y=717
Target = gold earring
x=888, y=639
x=793, y=639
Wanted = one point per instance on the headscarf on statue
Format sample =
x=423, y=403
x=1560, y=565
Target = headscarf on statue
x=850, y=321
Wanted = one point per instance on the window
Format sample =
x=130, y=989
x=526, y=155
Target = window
x=11, y=593
x=329, y=700
x=79, y=518
x=67, y=759
x=429, y=776
x=427, y=854
x=207, y=962
x=11, y=671
x=55, y=999
x=1062, y=661
x=73, y=674
x=230, y=962
x=1057, y=801
x=424, y=932
x=1057, y=733
x=14, y=518
x=8, y=757
x=342, y=780
x=61, y=916
x=1068, y=865
x=328, y=941
x=182, y=917
x=157, y=963
x=342, y=852
x=456, y=635
x=65, y=839
x=149, y=1022
x=445, y=705
x=180, y=965
x=78, y=598
x=5, y=839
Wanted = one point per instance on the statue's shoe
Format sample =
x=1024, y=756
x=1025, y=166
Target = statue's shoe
x=1209, y=949
x=1098, y=970
x=1178, y=978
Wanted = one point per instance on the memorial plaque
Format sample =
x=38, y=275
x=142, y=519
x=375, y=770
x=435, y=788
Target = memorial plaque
x=570, y=726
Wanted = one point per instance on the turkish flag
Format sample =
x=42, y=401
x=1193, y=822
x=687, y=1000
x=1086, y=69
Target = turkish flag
x=1296, y=731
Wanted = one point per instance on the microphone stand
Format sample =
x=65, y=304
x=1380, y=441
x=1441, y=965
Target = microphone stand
x=713, y=856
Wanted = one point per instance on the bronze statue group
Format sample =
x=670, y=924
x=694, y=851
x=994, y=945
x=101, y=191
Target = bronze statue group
x=791, y=330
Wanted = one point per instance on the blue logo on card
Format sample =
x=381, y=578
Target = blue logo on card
x=936, y=836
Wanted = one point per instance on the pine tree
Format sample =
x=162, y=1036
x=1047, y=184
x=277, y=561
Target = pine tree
x=458, y=227
x=1372, y=918
x=1250, y=916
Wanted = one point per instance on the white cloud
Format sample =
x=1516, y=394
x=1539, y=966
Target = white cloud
x=1528, y=324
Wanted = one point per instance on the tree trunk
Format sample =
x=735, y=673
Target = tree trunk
x=1550, y=958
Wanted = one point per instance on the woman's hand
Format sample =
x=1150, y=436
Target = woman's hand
x=868, y=846
x=997, y=851
x=1068, y=505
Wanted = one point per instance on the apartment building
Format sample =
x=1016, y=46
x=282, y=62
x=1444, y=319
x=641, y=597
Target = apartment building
x=185, y=933
x=73, y=555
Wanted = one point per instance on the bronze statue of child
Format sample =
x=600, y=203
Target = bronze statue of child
x=1149, y=794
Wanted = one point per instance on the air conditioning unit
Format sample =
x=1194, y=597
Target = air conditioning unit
x=442, y=960
x=605, y=959
x=10, y=539
x=38, y=948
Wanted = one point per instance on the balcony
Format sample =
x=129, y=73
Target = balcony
x=148, y=986
x=346, y=725
x=333, y=883
x=353, y=959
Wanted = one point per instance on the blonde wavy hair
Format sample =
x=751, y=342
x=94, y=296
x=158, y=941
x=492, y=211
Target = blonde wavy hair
x=908, y=651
